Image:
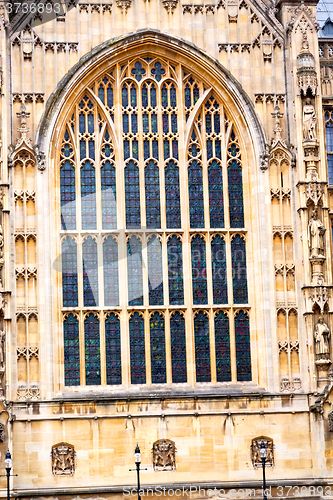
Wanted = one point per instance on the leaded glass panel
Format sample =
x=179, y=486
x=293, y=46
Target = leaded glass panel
x=152, y=189
x=67, y=196
x=110, y=271
x=69, y=273
x=155, y=271
x=137, y=349
x=88, y=196
x=239, y=275
x=329, y=148
x=178, y=348
x=235, y=188
x=222, y=347
x=219, y=270
x=215, y=185
x=92, y=350
x=134, y=272
x=196, y=200
x=71, y=350
x=199, y=273
x=157, y=349
x=172, y=195
x=243, y=347
x=90, y=272
x=108, y=196
x=113, y=350
x=202, y=347
x=132, y=195
x=175, y=271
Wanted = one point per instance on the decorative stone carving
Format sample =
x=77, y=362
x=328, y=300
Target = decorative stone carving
x=289, y=346
x=287, y=385
x=278, y=129
x=40, y=158
x=314, y=193
x=319, y=296
x=2, y=347
x=316, y=231
x=2, y=432
x=24, y=393
x=170, y=5
x=255, y=448
x=124, y=5
x=330, y=421
x=321, y=335
x=23, y=116
x=309, y=121
x=63, y=459
x=164, y=452
x=264, y=158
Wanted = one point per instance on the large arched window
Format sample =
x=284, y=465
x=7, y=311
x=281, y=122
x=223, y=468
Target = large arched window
x=152, y=231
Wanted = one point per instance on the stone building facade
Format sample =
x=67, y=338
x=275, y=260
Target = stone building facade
x=165, y=247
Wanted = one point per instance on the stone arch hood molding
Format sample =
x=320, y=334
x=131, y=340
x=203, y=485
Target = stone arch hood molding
x=158, y=42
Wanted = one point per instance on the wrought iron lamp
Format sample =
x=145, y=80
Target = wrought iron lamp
x=263, y=456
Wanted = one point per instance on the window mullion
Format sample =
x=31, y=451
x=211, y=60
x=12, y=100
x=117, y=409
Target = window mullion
x=147, y=346
x=82, y=349
x=212, y=346
x=185, y=224
x=168, y=347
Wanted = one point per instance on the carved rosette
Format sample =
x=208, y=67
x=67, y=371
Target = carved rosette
x=63, y=463
x=164, y=455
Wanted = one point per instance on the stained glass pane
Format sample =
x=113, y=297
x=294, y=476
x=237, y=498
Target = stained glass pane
x=90, y=272
x=71, y=350
x=82, y=123
x=124, y=96
x=108, y=195
x=187, y=96
x=175, y=271
x=134, y=272
x=152, y=186
x=173, y=96
x=91, y=148
x=90, y=123
x=109, y=94
x=202, y=348
x=92, y=350
x=110, y=270
x=222, y=348
x=330, y=167
x=243, y=347
x=199, y=275
x=132, y=195
x=239, y=275
x=195, y=188
x=83, y=149
x=235, y=187
x=69, y=273
x=219, y=271
x=329, y=146
x=137, y=349
x=178, y=348
x=215, y=185
x=67, y=196
x=88, y=196
x=155, y=271
x=172, y=195
x=112, y=350
x=157, y=349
